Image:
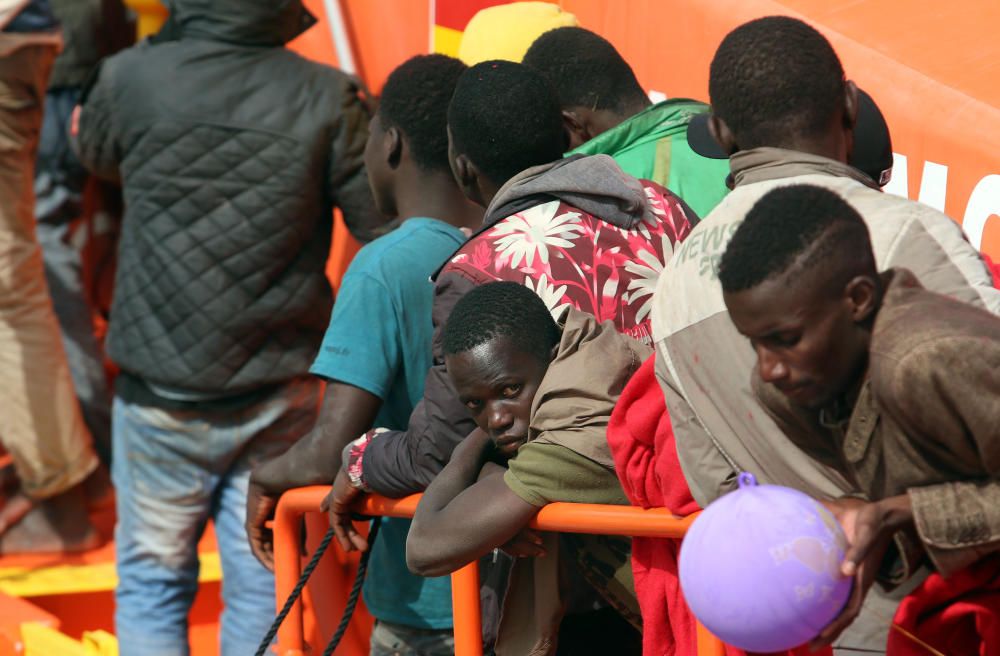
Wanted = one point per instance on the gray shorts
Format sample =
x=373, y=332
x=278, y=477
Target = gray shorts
x=390, y=639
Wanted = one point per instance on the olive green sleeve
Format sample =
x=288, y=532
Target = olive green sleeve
x=548, y=473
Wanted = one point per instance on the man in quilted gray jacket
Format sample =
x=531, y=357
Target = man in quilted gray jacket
x=232, y=152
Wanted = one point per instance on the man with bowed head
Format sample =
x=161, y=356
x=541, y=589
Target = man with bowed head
x=606, y=111
x=885, y=382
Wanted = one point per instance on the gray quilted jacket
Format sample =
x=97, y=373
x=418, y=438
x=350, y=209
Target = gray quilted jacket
x=232, y=152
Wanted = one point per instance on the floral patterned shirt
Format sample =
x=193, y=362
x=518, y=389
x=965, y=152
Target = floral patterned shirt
x=564, y=255
x=569, y=257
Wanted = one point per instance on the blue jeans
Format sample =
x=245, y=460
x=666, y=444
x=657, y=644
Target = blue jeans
x=173, y=471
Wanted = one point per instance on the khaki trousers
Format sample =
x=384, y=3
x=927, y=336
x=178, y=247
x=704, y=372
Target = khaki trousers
x=40, y=421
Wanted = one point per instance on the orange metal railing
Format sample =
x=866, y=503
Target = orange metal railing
x=562, y=517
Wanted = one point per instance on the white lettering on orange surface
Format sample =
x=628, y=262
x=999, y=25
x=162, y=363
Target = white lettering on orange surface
x=984, y=204
x=933, y=182
x=934, y=185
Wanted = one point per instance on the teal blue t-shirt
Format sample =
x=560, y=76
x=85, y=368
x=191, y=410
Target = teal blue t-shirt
x=379, y=340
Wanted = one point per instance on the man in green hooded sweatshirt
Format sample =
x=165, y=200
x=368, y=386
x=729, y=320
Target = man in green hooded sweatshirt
x=606, y=111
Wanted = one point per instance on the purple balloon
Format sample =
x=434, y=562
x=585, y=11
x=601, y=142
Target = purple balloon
x=760, y=567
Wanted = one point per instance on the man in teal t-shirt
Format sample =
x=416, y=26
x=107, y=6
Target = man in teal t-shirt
x=606, y=112
x=377, y=348
x=379, y=341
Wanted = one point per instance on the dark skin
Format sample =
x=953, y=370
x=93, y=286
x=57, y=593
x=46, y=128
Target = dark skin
x=583, y=123
x=836, y=142
x=497, y=383
x=474, y=190
x=812, y=339
x=463, y=515
x=346, y=412
x=475, y=185
x=401, y=188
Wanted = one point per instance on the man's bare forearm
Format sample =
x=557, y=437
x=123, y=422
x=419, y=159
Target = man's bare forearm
x=347, y=412
x=463, y=471
x=462, y=516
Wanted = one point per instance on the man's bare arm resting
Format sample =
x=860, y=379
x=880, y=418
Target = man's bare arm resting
x=459, y=518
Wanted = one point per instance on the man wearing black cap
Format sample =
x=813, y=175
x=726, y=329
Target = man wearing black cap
x=872, y=154
x=784, y=112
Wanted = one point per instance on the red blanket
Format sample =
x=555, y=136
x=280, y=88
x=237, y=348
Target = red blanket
x=957, y=616
x=994, y=269
x=642, y=442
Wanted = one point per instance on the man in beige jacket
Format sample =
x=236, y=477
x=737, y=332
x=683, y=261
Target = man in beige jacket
x=40, y=422
x=782, y=107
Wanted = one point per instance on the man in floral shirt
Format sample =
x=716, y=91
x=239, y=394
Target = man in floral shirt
x=578, y=231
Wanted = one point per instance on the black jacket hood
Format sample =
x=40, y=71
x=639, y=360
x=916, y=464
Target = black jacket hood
x=243, y=22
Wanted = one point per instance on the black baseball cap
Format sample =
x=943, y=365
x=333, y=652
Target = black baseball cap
x=872, y=143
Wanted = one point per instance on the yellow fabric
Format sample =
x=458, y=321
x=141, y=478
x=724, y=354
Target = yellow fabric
x=151, y=15
x=100, y=643
x=78, y=579
x=41, y=640
x=507, y=31
x=447, y=41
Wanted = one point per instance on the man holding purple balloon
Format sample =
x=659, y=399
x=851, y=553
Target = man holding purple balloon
x=785, y=111
x=893, y=386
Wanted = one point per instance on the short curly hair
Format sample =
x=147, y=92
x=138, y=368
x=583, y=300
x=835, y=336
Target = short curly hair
x=501, y=309
x=415, y=99
x=505, y=118
x=798, y=228
x=585, y=70
x=774, y=78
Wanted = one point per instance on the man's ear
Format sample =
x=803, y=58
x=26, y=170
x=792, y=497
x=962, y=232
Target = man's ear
x=862, y=293
x=393, y=147
x=467, y=176
x=576, y=128
x=722, y=134
x=850, y=117
x=850, y=104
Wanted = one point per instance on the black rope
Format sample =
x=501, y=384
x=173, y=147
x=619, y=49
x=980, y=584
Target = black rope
x=352, y=599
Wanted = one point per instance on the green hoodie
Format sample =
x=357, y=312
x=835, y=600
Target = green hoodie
x=652, y=145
